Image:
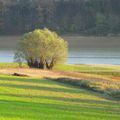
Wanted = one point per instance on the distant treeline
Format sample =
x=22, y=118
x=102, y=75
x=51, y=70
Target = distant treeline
x=86, y=17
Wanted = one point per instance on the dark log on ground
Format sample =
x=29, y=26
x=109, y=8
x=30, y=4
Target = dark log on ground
x=20, y=75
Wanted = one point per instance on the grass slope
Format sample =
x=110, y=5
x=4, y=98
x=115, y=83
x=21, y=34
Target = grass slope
x=109, y=70
x=41, y=99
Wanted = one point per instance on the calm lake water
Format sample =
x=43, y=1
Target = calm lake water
x=82, y=50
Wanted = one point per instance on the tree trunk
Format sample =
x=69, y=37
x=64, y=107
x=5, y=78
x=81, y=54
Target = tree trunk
x=50, y=66
x=30, y=63
x=47, y=65
x=41, y=65
x=36, y=64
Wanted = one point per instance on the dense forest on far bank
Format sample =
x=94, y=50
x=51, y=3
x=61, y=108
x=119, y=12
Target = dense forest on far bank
x=86, y=17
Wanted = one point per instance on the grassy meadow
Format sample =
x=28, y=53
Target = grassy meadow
x=44, y=99
x=106, y=70
x=86, y=98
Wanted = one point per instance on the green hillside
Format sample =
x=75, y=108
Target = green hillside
x=44, y=99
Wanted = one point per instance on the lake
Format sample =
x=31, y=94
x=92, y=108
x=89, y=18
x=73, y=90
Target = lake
x=82, y=50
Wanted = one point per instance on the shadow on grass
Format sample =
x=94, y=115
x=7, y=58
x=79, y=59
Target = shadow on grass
x=31, y=80
x=110, y=93
x=36, y=80
x=63, y=99
x=33, y=105
x=20, y=107
x=40, y=88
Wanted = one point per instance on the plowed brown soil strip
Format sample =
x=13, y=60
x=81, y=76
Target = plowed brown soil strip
x=56, y=74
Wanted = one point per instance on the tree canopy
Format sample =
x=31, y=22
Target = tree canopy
x=41, y=48
x=89, y=17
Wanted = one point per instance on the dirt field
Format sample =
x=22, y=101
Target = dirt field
x=57, y=74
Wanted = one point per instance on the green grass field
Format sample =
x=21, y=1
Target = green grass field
x=84, y=68
x=11, y=65
x=92, y=69
x=44, y=99
x=63, y=67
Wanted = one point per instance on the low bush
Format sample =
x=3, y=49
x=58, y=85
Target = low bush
x=106, y=88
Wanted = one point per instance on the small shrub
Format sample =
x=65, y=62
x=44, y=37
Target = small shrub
x=102, y=87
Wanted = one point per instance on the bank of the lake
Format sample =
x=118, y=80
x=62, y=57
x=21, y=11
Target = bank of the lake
x=99, y=78
x=82, y=50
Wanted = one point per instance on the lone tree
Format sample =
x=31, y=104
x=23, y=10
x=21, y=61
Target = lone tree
x=41, y=48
